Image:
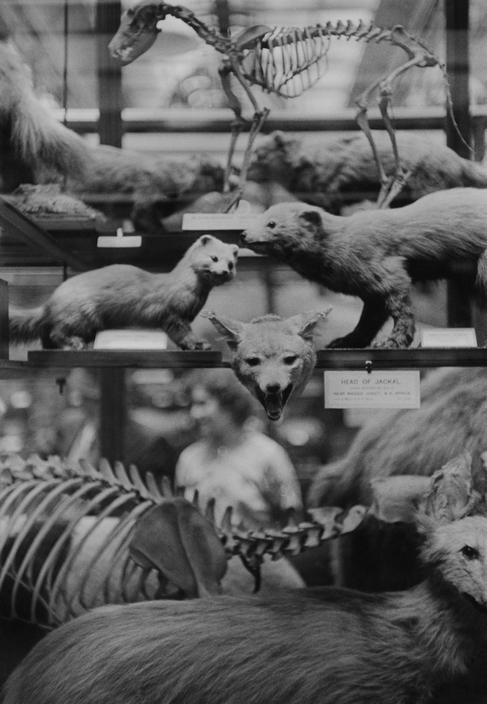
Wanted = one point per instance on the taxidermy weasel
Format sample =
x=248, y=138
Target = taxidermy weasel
x=121, y=295
x=377, y=254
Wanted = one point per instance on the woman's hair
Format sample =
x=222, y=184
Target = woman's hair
x=227, y=390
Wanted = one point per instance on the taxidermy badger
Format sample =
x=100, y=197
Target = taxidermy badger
x=122, y=295
x=377, y=254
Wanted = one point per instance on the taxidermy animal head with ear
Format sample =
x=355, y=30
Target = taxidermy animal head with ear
x=272, y=357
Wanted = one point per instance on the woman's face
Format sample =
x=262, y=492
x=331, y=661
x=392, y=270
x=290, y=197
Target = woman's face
x=207, y=412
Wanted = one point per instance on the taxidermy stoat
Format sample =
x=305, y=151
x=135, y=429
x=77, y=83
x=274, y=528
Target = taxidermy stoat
x=122, y=295
x=377, y=254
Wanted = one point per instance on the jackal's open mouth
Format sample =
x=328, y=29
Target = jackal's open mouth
x=275, y=402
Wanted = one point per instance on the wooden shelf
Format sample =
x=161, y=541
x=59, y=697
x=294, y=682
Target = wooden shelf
x=402, y=358
x=125, y=358
x=327, y=358
x=13, y=369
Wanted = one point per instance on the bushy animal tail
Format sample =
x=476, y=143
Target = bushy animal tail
x=37, y=137
x=25, y=325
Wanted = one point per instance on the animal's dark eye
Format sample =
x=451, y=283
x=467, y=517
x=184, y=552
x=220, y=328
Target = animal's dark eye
x=230, y=266
x=214, y=258
x=470, y=553
x=253, y=361
x=271, y=224
x=290, y=359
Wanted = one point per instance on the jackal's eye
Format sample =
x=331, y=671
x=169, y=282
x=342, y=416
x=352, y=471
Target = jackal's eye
x=290, y=359
x=252, y=361
x=470, y=553
x=214, y=258
x=271, y=224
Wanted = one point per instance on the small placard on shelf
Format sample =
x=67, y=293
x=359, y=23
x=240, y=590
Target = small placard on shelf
x=148, y=359
x=130, y=339
x=448, y=337
x=119, y=240
x=218, y=221
x=377, y=389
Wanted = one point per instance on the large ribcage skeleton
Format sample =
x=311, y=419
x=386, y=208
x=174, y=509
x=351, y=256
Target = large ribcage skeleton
x=66, y=532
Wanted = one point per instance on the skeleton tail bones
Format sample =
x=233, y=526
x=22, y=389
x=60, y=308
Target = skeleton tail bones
x=129, y=564
x=285, y=61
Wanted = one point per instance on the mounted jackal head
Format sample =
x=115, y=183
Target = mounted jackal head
x=272, y=357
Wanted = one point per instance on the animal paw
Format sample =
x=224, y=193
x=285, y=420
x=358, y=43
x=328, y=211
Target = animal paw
x=390, y=343
x=196, y=345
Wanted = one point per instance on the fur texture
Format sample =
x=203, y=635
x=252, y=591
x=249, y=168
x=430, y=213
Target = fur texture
x=157, y=185
x=123, y=296
x=377, y=254
x=452, y=417
x=331, y=174
x=332, y=645
x=272, y=357
x=402, y=442
x=36, y=148
x=34, y=145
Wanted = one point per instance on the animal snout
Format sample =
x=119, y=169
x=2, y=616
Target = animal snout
x=273, y=388
x=243, y=237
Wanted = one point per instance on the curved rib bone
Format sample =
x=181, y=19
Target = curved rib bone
x=285, y=61
x=75, y=571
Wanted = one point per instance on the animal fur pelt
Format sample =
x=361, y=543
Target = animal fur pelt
x=331, y=174
x=49, y=201
x=124, y=296
x=157, y=185
x=34, y=146
x=453, y=415
x=377, y=254
x=338, y=646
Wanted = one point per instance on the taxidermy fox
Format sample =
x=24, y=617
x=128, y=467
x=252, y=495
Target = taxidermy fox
x=377, y=254
x=423, y=645
x=272, y=357
x=122, y=295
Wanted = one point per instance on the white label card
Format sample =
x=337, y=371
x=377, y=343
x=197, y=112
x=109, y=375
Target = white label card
x=217, y=221
x=379, y=389
x=448, y=337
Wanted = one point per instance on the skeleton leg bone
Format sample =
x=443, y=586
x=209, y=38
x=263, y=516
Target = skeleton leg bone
x=237, y=124
x=258, y=119
x=396, y=182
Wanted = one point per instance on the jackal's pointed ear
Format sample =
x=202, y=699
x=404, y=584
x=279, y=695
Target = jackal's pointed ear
x=231, y=330
x=305, y=323
x=451, y=495
x=311, y=219
x=396, y=499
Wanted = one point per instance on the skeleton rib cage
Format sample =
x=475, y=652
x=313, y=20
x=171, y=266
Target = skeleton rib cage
x=288, y=61
x=37, y=496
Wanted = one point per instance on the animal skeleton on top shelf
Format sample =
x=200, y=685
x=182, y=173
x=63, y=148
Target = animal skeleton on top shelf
x=285, y=61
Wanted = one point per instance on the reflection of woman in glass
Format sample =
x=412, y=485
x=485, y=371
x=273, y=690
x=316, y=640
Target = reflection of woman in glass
x=233, y=462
